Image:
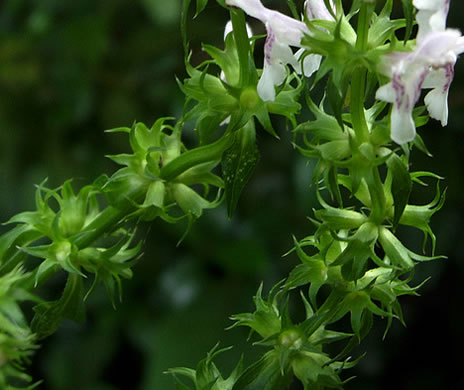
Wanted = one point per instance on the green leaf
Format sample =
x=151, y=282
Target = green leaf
x=48, y=315
x=238, y=164
x=401, y=185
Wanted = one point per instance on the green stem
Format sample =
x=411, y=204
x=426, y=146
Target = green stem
x=360, y=127
x=358, y=85
x=196, y=156
x=358, y=118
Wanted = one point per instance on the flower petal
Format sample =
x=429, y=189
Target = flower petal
x=273, y=74
x=316, y=9
x=386, y=93
x=403, y=129
x=437, y=99
x=311, y=63
x=254, y=8
x=431, y=16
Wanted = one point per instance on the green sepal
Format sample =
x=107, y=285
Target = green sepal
x=359, y=304
x=395, y=250
x=401, y=185
x=48, y=315
x=336, y=219
x=419, y=216
x=207, y=376
x=155, y=194
x=382, y=28
x=313, y=370
x=265, y=374
x=266, y=320
x=313, y=271
x=110, y=265
x=191, y=203
x=238, y=164
x=287, y=99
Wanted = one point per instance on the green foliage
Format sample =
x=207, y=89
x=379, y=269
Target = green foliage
x=353, y=267
x=17, y=342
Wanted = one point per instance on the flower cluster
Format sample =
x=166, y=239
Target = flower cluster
x=283, y=32
x=429, y=66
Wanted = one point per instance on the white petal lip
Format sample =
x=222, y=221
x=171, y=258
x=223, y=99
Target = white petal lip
x=272, y=75
x=403, y=129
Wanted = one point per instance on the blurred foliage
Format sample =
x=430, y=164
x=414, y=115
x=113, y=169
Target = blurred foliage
x=70, y=70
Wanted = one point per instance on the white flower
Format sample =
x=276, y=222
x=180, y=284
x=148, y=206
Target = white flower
x=429, y=66
x=282, y=33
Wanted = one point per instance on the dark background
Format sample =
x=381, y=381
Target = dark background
x=70, y=70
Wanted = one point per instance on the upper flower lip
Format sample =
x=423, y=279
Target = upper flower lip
x=288, y=30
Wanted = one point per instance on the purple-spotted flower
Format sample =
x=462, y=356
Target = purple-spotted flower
x=429, y=66
x=283, y=32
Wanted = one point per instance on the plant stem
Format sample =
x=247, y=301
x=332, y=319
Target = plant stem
x=360, y=127
x=243, y=45
x=196, y=156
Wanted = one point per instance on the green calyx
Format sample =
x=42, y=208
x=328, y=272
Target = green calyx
x=291, y=339
x=249, y=99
